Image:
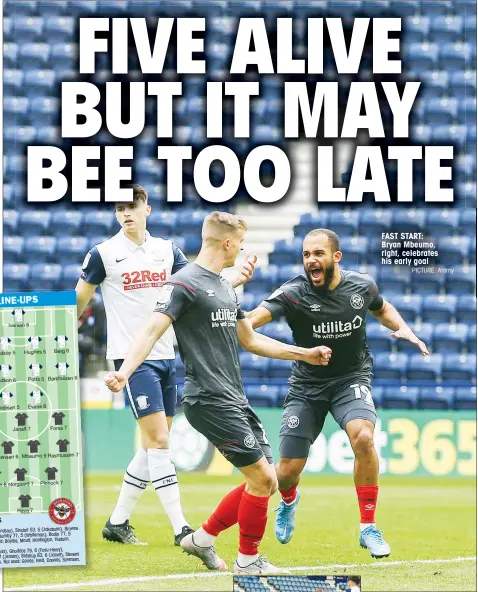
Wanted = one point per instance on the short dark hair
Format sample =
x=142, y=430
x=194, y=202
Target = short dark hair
x=139, y=193
x=330, y=234
x=354, y=579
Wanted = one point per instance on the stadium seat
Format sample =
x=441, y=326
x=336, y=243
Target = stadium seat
x=15, y=111
x=424, y=369
x=377, y=395
x=465, y=166
x=13, y=249
x=423, y=331
x=17, y=8
x=389, y=367
x=456, y=56
x=451, y=134
x=10, y=54
x=344, y=223
x=263, y=280
x=442, y=222
x=467, y=111
x=279, y=370
x=48, y=135
x=394, y=279
x=453, y=250
x=288, y=272
x=96, y=240
x=421, y=56
x=399, y=397
x=53, y=7
x=45, y=276
x=10, y=221
x=286, y=251
x=466, y=308
x=39, y=83
x=449, y=338
x=427, y=283
x=83, y=7
x=162, y=223
x=446, y=29
x=466, y=8
x=435, y=397
x=441, y=111
x=415, y=29
x=71, y=274
x=471, y=340
x=27, y=28
x=253, y=366
x=15, y=277
x=354, y=249
x=378, y=338
x=12, y=82
x=191, y=220
x=64, y=56
x=408, y=220
x=18, y=137
x=459, y=369
x=374, y=221
x=192, y=242
x=462, y=82
x=262, y=396
x=33, y=55
x=279, y=331
x=248, y=301
x=71, y=249
x=34, y=222
x=465, y=398
x=440, y=308
x=44, y=109
x=40, y=249
x=66, y=222
x=101, y=223
x=462, y=280
x=60, y=28
x=409, y=306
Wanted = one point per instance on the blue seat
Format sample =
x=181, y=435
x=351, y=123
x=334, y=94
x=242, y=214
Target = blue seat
x=48, y=135
x=53, y=7
x=456, y=56
x=12, y=82
x=101, y=223
x=18, y=137
x=465, y=193
x=15, y=111
x=462, y=281
x=63, y=56
x=83, y=7
x=162, y=223
x=8, y=195
x=424, y=369
x=27, y=28
x=377, y=395
x=8, y=29
x=421, y=134
x=465, y=166
x=192, y=243
x=248, y=301
x=374, y=221
x=471, y=340
x=262, y=396
x=416, y=28
x=469, y=27
x=466, y=8
x=13, y=248
x=460, y=369
x=423, y=331
x=378, y=338
x=114, y=7
x=375, y=7
x=409, y=306
x=442, y=222
x=407, y=9
x=428, y=283
x=440, y=308
x=344, y=222
x=40, y=249
x=17, y=8
x=263, y=280
x=435, y=397
x=288, y=272
x=441, y=111
x=34, y=221
x=465, y=398
x=253, y=366
x=463, y=81
x=408, y=220
x=449, y=338
x=39, y=83
x=279, y=331
x=45, y=276
x=15, y=277
x=389, y=367
x=286, y=251
x=402, y=397
x=71, y=249
x=452, y=134
x=10, y=54
x=66, y=222
x=71, y=274
x=421, y=56
x=279, y=370
x=44, y=109
x=394, y=279
x=33, y=55
x=191, y=220
x=10, y=221
x=354, y=249
x=467, y=111
x=466, y=308
x=445, y=29
x=454, y=250
x=59, y=28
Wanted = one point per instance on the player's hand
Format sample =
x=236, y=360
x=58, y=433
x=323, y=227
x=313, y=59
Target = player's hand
x=318, y=356
x=247, y=270
x=115, y=381
x=407, y=333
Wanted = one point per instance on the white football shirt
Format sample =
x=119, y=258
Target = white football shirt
x=130, y=277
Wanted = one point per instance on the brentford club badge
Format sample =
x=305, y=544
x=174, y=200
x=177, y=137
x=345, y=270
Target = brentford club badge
x=62, y=511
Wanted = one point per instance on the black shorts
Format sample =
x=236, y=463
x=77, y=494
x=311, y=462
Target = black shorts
x=236, y=432
x=348, y=397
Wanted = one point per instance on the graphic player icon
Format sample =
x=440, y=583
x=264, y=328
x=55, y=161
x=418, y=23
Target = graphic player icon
x=51, y=472
x=62, y=445
x=25, y=500
x=20, y=473
x=21, y=418
x=33, y=444
x=7, y=447
x=58, y=417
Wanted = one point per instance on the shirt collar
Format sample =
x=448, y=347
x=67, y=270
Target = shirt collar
x=131, y=246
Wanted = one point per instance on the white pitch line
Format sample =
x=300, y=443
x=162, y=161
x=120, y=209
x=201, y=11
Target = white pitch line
x=215, y=574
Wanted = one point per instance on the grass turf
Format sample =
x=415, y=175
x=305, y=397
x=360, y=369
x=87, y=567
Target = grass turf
x=422, y=519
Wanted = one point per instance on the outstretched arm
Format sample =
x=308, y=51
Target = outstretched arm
x=140, y=348
x=389, y=317
x=271, y=348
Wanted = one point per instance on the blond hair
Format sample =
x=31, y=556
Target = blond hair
x=218, y=225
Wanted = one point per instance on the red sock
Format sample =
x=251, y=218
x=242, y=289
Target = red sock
x=252, y=522
x=367, y=499
x=225, y=515
x=288, y=495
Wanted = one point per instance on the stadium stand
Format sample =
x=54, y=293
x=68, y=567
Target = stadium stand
x=44, y=248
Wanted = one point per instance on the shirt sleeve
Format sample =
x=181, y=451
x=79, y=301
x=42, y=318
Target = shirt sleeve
x=93, y=269
x=279, y=303
x=180, y=260
x=377, y=300
x=240, y=313
x=174, y=299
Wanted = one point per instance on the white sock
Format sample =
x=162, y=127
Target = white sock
x=364, y=526
x=134, y=483
x=245, y=560
x=202, y=538
x=165, y=482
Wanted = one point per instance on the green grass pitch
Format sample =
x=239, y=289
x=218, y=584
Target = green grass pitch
x=423, y=519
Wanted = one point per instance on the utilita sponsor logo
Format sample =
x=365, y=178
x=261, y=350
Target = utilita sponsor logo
x=224, y=314
x=143, y=279
x=335, y=329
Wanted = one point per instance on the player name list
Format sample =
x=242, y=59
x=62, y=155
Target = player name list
x=41, y=489
x=408, y=248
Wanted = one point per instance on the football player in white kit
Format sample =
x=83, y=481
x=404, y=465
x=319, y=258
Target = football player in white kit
x=130, y=267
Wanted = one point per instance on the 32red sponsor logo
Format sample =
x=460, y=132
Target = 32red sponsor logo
x=144, y=276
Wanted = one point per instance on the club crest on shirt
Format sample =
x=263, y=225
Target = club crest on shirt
x=356, y=301
x=165, y=294
x=315, y=307
x=249, y=441
x=210, y=293
x=86, y=261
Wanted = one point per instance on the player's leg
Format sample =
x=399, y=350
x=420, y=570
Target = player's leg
x=352, y=407
x=302, y=422
x=155, y=433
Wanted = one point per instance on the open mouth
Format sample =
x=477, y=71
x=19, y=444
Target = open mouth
x=316, y=273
